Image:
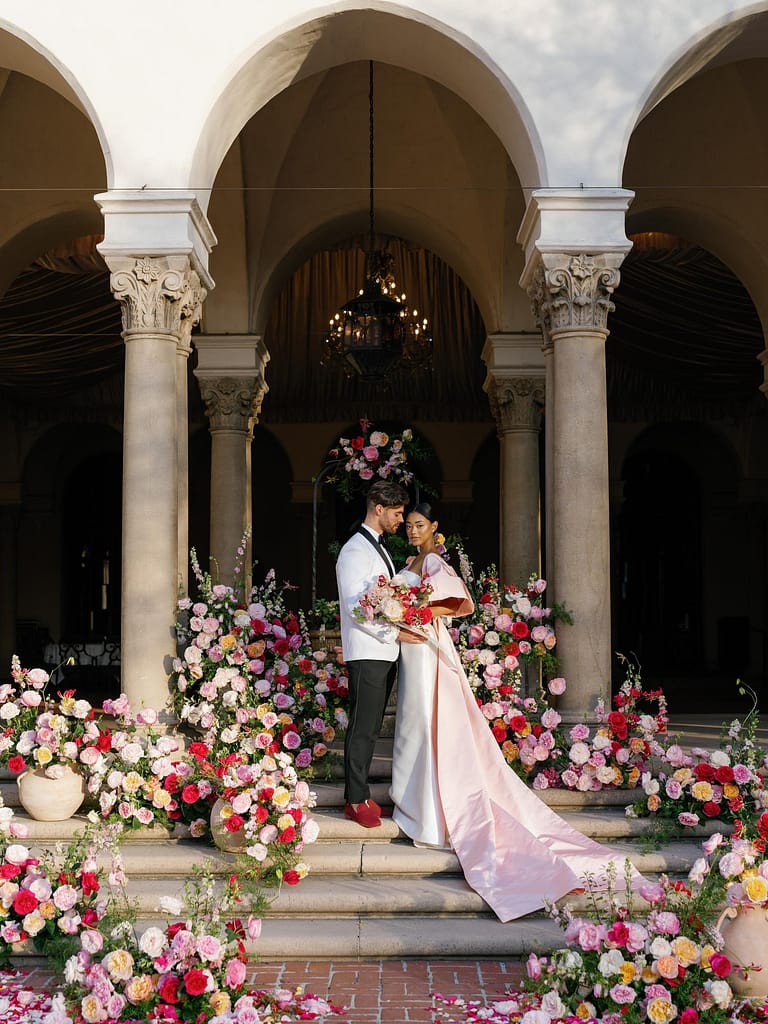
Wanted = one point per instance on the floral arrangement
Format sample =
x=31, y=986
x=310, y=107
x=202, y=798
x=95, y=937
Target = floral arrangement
x=139, y=777
x=192, y=970
x=268, y=806
x=38, y=733
x=248, y=670
x=728, y=783
x=372, y=453
x=740, y=862
x=395, y=602
x=660, y=965
x=324, y=614
x=51, y=899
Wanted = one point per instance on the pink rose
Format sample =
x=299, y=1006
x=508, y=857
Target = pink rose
x=476, y=634
x=556, y=686
x=591, y=936
x=235, y=974
x=370, y=453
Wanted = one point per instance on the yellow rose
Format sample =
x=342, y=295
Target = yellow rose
x=667, y=966
x=660, y=1010
x=683, y=775
x=585, y=1011
x=226, y=811
x=702, y=790
x=281, y=797
x=285, y=821
x=284, y=719
x=43, y=755
x=56, y=722
x=33, y=923
x=628, y=972
x=686, y=951
x=262, y=710
x=730, y=790
x=649, y=975
x=756, y=888
x=161, y=798
x=132, y=782
x=91, y=1009
x=119, y=964
x=636, y=745
x=228, y=643
x=329, y=734
x=220, y=1002
x=139, y=988
x=510, y=751
x=706, y=953
x=525, y=730
x=301, y=869
x=47, y=909
x=633, y=776
x=654, y=802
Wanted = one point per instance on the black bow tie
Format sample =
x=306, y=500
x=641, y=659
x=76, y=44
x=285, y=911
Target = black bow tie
x=382, y=540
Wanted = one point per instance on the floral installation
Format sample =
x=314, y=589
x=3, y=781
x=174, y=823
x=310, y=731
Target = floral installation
x=39, y=733
x=393, y=601
x=662, y=964
x=373, y=453
x=51, y=899
x=728, y=783
x=268, y=805
x=191, y=970
x=247, y=669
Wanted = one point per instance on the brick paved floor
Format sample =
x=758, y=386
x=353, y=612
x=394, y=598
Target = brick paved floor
x=373, y=992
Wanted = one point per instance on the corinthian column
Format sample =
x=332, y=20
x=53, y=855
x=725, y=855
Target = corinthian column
x=515, y=388
x=571, y=295
x=230, y=373
x=153, y=293
x=190, y=315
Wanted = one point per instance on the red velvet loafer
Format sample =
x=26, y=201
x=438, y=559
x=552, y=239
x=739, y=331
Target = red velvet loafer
x=383, y=812
x=364, y=815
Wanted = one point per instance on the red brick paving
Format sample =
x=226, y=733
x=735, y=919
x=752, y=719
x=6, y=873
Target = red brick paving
x=375, y=991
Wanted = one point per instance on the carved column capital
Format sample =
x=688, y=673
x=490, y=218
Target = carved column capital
x=232, y=403
x=516, y=403
x=154, y=292
x=573, y=292
x=191, y=309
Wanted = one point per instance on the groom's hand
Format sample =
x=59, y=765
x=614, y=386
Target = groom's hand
x=405, y=636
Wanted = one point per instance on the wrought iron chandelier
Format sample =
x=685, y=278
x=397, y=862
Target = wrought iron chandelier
x=376, y=331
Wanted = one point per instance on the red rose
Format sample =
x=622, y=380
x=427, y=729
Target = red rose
x=261, y=814
x=25, y=902
x=689, y=1016
x=281, y=647
x=520, y=630
x=89, y=882
x=16, y=764
x=190, y=794
x=172, y=783
x=304, y=665
x=168, y=988
x=8, y=871
x=268, y=792
x=711, y=809
x=287, y=835
x=485, y=599
x=174, y=928
x=104, y=742
x=505, y=690
x=291, y=624
x=617, y=722
x=198, y=750
x=499, y=733
x=724, y=774
x=234, y=823
x=762, y=825
x=721, y=965
x=518, y=722
x=358, y=443
x=195, y=982
x=291, y=877
x=90, y=917
x=704, y=771
x=297, y=814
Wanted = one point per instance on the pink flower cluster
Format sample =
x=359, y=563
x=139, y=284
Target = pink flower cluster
x=372, y=453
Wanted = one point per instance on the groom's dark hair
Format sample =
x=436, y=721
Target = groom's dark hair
x=386, y=493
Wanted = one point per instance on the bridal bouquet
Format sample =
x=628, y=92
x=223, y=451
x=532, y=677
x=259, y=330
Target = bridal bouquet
x=395, y=603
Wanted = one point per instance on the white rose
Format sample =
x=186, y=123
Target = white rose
x=132, y=752
x=153, y=942
x=392, y=609
x=81, y=709
x=522, y=606
x=579, y=753
x=8, y=711
x=650, y=785
x=552, y=1004
x=16, y=853
x=721, y=992
x=719, y=758
x=610, y=963
x=230, y=734
x=601, y=741
x=660, y=947
x=492, y=638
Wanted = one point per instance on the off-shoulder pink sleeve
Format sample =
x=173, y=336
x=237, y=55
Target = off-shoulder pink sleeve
x=446, y=584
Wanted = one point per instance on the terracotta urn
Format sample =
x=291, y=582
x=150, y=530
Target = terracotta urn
x=47, y=799
x=745, y=937
x=230, y=842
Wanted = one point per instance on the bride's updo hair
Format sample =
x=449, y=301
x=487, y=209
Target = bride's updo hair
x=424, y=509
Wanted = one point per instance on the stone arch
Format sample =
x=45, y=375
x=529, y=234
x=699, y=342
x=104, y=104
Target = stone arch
x=343, y=33
x=21, y=51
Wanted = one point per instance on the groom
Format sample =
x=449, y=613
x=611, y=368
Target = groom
x=370, y=649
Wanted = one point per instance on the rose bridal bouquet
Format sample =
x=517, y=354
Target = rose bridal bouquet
x=395, y=602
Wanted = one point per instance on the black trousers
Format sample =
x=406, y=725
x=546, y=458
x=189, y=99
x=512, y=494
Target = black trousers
x=370, y=684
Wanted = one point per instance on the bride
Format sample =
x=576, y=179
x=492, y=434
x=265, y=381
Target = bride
x=452, y=788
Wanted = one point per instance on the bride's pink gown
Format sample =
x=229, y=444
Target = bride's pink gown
x=452, y=787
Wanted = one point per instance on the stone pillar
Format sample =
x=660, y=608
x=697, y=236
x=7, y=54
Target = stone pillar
x=155, y=292
x=515, y=388
x=9, y=517
x=230, y=374
x=548, y=510
x=571, y=296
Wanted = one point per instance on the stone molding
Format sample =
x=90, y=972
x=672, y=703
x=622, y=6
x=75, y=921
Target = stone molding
x=232, y=403
x=573, y=292
x=155, y=294
x=516, y=403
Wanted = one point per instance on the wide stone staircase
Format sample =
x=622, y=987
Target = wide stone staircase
x=371, y=893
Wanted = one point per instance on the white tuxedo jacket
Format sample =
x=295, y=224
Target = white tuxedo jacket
x=358, y=567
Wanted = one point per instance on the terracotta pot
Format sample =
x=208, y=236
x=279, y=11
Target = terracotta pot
x=745, y=937
x=46, y=799
x=230, y=842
